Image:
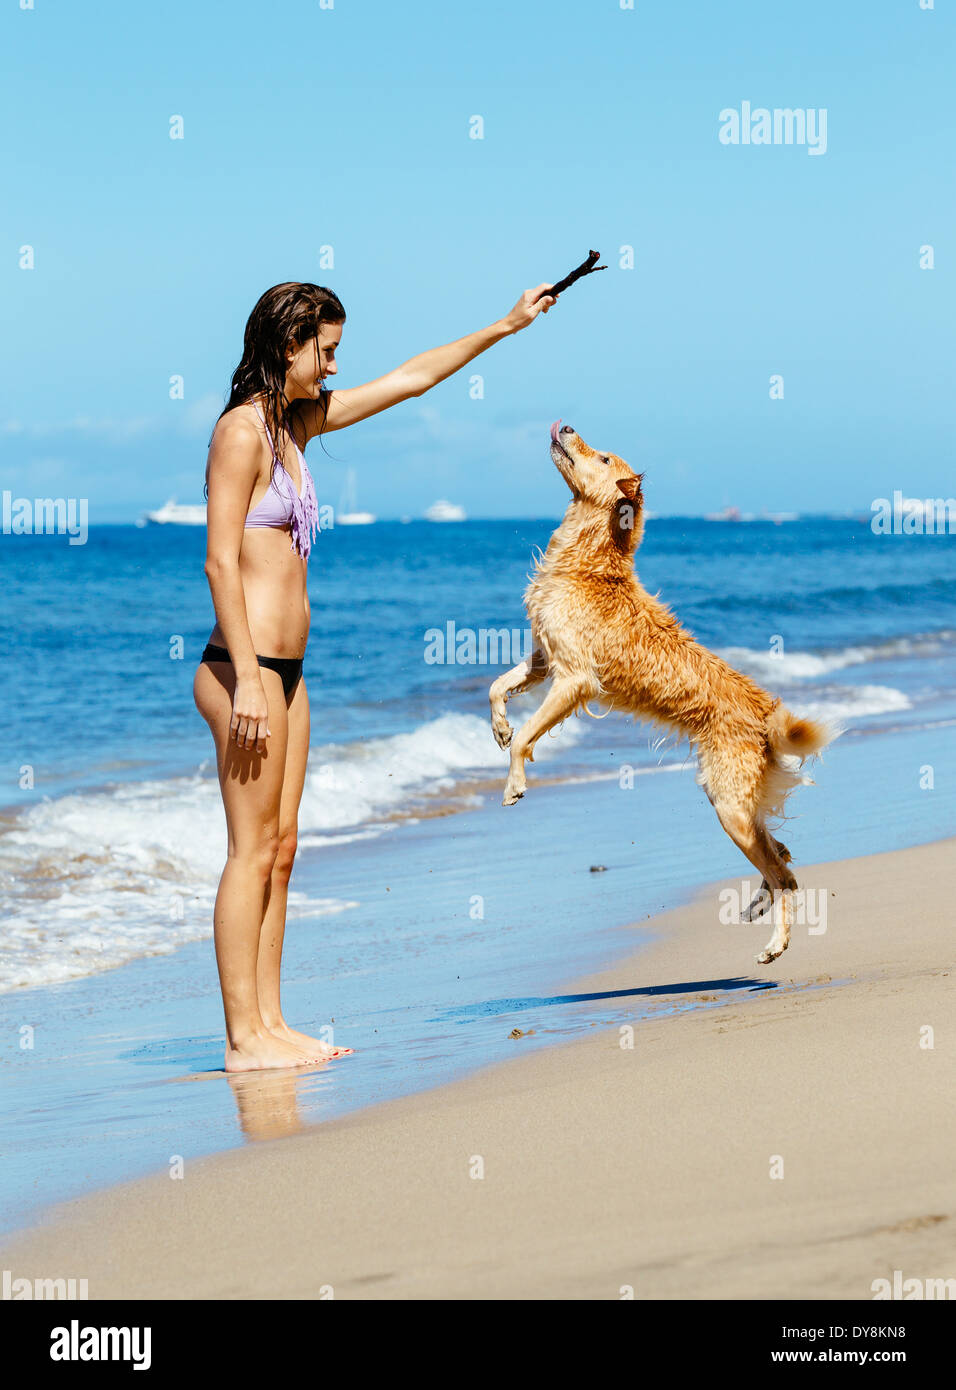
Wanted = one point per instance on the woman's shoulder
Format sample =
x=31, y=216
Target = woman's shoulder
x=239, y=424
x=237, y=436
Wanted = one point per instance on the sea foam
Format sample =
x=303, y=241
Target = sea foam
x=94, y=879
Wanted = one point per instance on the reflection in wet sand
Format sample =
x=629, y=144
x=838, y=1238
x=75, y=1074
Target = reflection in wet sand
x=268, y=1102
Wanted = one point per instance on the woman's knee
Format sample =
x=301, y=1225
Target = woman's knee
x=285, y=852
x=258, y=855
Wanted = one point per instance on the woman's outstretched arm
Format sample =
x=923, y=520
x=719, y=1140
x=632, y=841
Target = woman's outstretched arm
x=419, y=374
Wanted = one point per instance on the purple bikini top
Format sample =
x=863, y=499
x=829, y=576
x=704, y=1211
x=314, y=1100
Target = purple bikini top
x=283, y=506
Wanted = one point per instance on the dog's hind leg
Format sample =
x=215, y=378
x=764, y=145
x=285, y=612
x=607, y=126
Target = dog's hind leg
x=763, y=898
x=761, y=849
x=561, y=700
x=520, y=678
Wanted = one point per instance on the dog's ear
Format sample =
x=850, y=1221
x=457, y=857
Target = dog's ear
x=630, y=486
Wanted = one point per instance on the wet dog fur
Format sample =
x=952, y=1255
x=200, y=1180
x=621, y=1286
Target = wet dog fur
x=601, y=637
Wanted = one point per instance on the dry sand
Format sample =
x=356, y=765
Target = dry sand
x=607, y=1167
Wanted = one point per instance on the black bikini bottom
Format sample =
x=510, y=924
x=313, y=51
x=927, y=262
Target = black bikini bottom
x=288, y=667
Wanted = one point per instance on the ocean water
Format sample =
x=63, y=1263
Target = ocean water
x=111, y=830
x=429, y=928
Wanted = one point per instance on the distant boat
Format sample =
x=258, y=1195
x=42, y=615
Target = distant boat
x=347, y=514
x=728, y=514
x=172, y=513
x=445, y=511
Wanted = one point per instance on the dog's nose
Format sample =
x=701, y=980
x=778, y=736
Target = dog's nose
x=567, y=429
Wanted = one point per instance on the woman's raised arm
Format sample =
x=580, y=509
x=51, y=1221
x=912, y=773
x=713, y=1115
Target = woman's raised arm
x=419, y=374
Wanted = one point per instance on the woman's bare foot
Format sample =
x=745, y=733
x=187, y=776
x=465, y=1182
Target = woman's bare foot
x=312, y=1047
x=265, y=1051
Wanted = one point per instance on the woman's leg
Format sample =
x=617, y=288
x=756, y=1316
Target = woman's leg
x=251, y=787
x=273, y=924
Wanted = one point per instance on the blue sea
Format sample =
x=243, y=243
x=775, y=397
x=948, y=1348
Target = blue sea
x=426, y=921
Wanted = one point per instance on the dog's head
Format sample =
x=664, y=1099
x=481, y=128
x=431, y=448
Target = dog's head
x=604, y=480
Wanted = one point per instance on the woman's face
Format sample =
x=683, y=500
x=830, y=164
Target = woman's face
x=310, y=364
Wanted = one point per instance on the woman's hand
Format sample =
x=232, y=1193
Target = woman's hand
x=526, y=310
x=250, y=715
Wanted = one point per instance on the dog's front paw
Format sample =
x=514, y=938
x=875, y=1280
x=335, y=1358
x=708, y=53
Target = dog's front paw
x=770, y=953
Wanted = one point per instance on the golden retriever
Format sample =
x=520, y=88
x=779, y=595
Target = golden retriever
x=600, y=636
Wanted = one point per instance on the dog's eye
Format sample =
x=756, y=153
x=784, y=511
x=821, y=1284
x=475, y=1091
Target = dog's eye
x=605, y=459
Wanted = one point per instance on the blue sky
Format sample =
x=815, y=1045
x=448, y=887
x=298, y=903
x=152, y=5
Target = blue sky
x=348, y=127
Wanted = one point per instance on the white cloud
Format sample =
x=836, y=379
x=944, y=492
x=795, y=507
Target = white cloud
x=84, y=425
x=426, y=426
x=200, y=416
x=194, y=419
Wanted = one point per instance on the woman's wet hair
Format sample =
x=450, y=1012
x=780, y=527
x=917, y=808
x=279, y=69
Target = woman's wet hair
x=285, y=317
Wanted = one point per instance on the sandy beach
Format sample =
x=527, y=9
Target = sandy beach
x=590, y=1169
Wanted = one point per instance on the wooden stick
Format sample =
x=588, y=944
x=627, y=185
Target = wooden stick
x=584, y=268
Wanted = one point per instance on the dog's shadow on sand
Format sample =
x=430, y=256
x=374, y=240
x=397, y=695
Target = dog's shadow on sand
x=489, y=1008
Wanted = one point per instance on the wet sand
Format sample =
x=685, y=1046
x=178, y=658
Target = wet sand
x=791, y=1141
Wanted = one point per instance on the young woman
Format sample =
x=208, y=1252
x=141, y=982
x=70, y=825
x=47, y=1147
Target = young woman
x=262, y=514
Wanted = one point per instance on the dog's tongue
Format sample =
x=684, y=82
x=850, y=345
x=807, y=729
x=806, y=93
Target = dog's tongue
x=554, y=431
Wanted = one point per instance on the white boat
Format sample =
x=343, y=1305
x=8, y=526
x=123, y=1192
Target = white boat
x=445, y=511
x=173, y=513
x=347, y=514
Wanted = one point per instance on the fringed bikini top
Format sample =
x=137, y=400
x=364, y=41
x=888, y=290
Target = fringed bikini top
x=283, y=506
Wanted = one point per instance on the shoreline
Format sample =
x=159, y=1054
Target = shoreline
x=405, y=961
x=607, y=1165
x=466, y=793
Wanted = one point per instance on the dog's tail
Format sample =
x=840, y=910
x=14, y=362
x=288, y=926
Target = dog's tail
x=797, y=736
x=794, y=736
